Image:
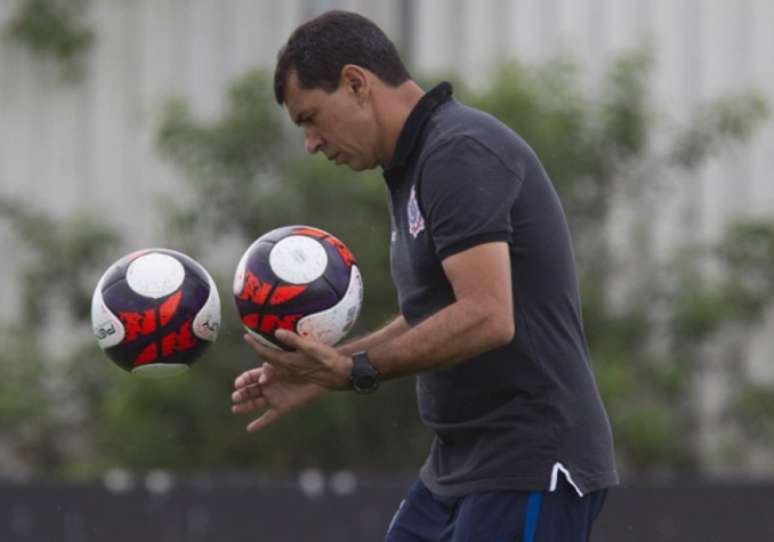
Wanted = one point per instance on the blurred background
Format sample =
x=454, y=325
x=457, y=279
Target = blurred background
x=127, y=124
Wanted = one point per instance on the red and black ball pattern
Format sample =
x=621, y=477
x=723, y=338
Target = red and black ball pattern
x=155, y=311
x=299, y=278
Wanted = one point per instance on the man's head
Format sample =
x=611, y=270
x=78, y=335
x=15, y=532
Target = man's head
x=329, y=75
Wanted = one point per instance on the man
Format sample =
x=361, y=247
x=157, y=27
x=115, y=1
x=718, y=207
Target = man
x=490, y=314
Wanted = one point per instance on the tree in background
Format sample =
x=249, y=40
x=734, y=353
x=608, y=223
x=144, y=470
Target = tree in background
x=50, y=384
x=53, y=29
x=649, y=316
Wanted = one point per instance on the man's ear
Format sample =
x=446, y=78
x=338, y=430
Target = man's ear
x=356, y=81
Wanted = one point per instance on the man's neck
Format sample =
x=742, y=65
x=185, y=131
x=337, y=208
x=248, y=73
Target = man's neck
x=398, y=104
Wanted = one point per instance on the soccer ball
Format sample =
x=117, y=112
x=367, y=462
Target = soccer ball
x=154, y=312
x=298, y=278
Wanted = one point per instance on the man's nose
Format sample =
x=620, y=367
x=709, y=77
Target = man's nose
x=313, y=142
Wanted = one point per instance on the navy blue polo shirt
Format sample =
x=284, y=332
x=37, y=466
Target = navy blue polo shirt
x=519, y=416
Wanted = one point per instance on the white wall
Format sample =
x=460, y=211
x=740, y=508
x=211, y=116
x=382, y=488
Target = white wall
x=703, y=49
x=89, y=145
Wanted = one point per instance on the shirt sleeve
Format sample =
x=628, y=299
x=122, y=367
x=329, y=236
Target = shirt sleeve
x=467, y=194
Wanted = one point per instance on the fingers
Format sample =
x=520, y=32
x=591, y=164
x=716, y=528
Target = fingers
x=278, y=358
x=294, y=340
x=309, y=346
x=281, y=383
x=246, y=393
x=260, y=375
x=316, y=354
x=289, y=338
x=268, y=417
x=252, y=405
x=248, y=399
x=248, y=378
x=248, y=396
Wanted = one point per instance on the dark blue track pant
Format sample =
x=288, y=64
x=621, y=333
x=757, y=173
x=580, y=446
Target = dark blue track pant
x=499, y=516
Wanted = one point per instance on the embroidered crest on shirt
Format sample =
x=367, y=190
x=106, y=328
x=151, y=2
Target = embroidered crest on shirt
x=415, y=219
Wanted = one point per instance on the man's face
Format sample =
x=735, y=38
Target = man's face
x=339, y=124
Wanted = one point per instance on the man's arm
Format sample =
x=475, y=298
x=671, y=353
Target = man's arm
x=395, y=328
x=480, y=319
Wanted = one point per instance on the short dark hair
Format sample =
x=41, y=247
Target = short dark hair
x=318, y=50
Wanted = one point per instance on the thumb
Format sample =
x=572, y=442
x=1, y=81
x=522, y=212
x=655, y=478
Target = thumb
x=289, y=338
x=306, y=344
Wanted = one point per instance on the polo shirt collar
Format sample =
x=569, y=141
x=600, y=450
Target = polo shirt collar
x=412, y=129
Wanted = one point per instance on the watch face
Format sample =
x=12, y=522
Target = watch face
x=365, y=383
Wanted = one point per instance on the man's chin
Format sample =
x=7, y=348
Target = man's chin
x=357, y=165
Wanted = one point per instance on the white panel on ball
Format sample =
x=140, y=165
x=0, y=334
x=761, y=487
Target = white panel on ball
x=207, y=321
x=155, y=275
x=331, y=325
x=239, y=275
x=298, y=260
x=106, y=326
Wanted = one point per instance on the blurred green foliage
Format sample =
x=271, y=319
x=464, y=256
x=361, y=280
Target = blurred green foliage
x=648, y=316
x=54, y=29
x=71, y=250
x=754, y=408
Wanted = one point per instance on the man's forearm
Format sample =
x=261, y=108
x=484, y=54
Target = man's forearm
x=394, y=329
x=460, y=331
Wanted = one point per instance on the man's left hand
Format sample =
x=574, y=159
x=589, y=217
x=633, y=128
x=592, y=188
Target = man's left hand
x=312, y=361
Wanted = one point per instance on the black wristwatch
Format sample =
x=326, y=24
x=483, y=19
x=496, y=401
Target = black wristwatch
x=365, y=378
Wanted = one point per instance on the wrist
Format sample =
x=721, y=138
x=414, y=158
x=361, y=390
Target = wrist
x=364, y=377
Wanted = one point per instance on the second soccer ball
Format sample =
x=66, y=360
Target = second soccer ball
x=298, y=278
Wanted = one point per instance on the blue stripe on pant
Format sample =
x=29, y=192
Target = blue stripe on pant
x=533, y=513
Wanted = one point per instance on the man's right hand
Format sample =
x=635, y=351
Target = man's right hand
x=266, y=390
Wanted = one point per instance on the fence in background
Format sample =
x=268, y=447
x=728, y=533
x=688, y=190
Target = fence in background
x=282, y=510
